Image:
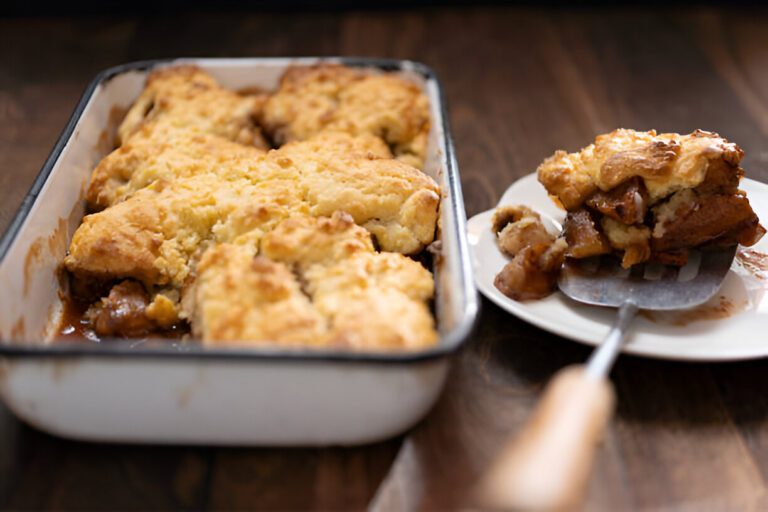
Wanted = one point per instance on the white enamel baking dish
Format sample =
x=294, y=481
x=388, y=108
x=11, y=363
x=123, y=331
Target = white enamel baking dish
x=160, y=392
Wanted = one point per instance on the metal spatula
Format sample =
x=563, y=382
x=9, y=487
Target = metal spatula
x=548, y=465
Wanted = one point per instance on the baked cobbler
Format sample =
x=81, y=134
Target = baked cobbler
x=651, y=197
x=197, y=224
x=643, y=196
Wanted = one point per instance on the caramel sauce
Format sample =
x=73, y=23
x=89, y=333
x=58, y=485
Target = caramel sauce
x=74, y=326
x=723, y=308
x=251, y=91
x=755, y=262
x=31, y=261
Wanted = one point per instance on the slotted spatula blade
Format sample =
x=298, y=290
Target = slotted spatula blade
x=602, y=282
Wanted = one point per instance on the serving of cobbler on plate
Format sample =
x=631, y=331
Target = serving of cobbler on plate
x=641, y=196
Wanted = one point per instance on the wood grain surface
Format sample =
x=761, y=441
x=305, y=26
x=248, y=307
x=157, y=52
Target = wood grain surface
x=520, y=83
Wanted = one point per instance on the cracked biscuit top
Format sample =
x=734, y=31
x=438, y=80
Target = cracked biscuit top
x=330, y=97
x=198, y=226
x=666, y=162
x=188, y=98
x=315, y=281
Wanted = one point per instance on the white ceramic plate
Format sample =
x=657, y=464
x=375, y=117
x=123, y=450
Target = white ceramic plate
x=730, y=326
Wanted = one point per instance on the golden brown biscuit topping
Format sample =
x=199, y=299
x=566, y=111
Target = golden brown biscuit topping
x=330, y=97
x=278, y=246
x=316, y=281
x=667, y=162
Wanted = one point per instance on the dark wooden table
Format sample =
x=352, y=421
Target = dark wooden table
x=520, y=83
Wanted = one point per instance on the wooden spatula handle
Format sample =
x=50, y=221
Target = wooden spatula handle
x=548, y=465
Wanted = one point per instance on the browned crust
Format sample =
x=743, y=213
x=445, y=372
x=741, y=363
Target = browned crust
x=330, y=97
x=186, y=97
x=187, y=71
x=650, y=161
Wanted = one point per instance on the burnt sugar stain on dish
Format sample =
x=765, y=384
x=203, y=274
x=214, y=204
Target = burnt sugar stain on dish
x=751, y=265
x=107, y=140
x=717, y=309
x=755, y=262
x=55, y=243
x=18, y=330
x=51, y=247
x=74, y=326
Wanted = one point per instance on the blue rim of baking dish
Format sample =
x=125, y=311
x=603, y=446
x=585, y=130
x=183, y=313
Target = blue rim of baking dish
x=122, y=348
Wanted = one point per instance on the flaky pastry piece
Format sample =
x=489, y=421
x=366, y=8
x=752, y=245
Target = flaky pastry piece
x=330, y=97
x=186, y=97
x=651, y=197
x=352, y=295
